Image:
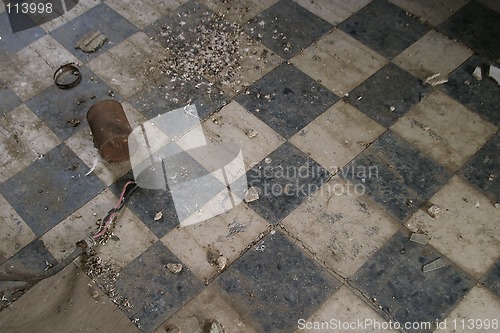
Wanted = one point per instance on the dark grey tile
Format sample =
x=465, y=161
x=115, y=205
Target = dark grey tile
x=59, y=108
x=396, y=175
x=477, y=26
x=483, y=169
x=384, y=27
x=287, y=100
x=394, y=280
x=100, y=18
x=9, y=99
x=388, y=94
x=492, y=279
x=32, y=259
x=275, y=283
x=286, y=28
x=153, y=292
x=481, y=96
x=50, y=189
x=167, y=94
x=14, y=42
x=285, y=182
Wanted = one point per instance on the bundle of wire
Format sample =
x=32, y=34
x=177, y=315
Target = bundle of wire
x=110, y=217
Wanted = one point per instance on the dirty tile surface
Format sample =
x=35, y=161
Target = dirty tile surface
x=346, y=145
x=286, y=100
x=388, y=94
x=249, y=284
x=384, y=27
x=394, y=280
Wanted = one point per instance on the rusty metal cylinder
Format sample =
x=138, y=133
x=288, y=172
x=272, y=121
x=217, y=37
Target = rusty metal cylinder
x=110, y=129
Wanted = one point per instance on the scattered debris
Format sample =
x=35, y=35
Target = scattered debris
x=491, y=177
x=477, y=73
x=268, y=160
x=435, y=80
x=252, y=194
x=104, y=275
x=477, y=204
x=221, y=263
x=495, y=73
x=434, y=211
x=497, y=205
x=214, y=52
x=74, y=122
x=251, y=133
x=91, y=42
x=216, y=327
x=432, y=266
x=158, y=216
x=174, y=268
x=419, y=238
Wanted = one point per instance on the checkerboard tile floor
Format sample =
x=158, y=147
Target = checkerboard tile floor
x=335, y=90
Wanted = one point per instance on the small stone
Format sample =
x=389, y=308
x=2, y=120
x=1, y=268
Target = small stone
x=477, y=204
x=497, y=205
x=251, y=133
x=268, y=160
x=174, y=268
x=477, y=73
x=221, y=263
x=158, y=216
x=392, y=109
x=251, y=194
x=434, y=211
x=432, y=266
x=216, y=327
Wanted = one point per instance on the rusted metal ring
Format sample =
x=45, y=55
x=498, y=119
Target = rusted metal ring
x=71, y=67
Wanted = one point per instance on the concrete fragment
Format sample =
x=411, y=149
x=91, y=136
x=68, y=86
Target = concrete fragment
x=91, y=42
x=495, y=73
x=477, y=73
x=435, y=80
x=216, y=327
x=251, y=133
x=251, y=194
x=434, y=211
x=174, y=268
x=419, y=238
x=221, y=263
x=432, y=266
x=158, y=216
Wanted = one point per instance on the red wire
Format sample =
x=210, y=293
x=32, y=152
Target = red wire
x=107, y=223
